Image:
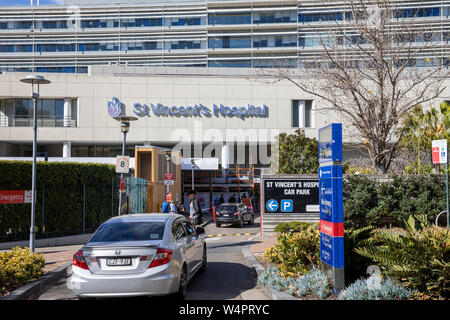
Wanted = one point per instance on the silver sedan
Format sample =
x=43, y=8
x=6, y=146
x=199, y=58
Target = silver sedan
x=139, y=255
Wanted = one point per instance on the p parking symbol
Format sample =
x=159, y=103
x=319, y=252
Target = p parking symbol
x=287, y=205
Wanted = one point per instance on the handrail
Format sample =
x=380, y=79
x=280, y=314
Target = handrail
x=437, y=218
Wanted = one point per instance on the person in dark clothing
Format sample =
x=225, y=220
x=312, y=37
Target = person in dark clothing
x=232, y=199
x=221, y=199
x=180, y=208
x=195, y=211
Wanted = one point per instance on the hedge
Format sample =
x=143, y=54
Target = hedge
x=380, y=204
x=59, y=187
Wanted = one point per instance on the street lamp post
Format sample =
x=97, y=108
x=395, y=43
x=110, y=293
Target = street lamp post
x=124, y=127
x=168, y=158
x=193, y=166
x=34, y=79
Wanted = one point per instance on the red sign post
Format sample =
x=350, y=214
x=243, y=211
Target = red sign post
x=15, y=196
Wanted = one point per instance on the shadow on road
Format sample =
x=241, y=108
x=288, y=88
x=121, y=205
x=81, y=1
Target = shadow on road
x=222, y=280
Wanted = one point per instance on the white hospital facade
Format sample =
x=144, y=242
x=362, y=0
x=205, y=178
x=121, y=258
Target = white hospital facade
x=189, y=70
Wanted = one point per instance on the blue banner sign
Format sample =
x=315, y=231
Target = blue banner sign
x=332, y=250
x=331, y=207
x=331, y=194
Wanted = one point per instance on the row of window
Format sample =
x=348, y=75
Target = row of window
x=99, y=150
x=219, y=19
x=240, y=63
x=258, y=41
x=104, y=46
x=18, y=112
x=103, y=23
x=216, y=42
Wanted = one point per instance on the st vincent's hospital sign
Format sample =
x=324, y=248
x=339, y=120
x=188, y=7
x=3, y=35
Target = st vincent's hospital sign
x=199, y=110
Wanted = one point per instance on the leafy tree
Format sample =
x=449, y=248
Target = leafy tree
x=420, y=127
x=373, y=67
x=296, y=154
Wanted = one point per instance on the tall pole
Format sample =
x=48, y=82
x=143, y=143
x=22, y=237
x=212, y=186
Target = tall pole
x=192, y=165
x=121, y=175
x=168, y=171
x=448, y=216
x=34, y=79
x=33, y=175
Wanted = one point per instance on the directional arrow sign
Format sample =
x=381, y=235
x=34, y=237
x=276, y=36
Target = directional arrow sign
x=272, y=205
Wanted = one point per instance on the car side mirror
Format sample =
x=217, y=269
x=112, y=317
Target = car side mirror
x=200, y=230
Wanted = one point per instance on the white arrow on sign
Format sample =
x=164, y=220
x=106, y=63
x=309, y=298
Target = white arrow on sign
x=272, y=205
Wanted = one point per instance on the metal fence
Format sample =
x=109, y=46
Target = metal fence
x=136, y=194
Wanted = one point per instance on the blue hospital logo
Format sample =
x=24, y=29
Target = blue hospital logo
x=114, y=107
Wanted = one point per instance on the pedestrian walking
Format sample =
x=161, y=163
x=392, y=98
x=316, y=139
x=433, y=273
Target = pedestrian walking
x=232, y=198
x=180, y=208
x=172, y=207
x=195, y=211
x=246, y=200
x=165, y=207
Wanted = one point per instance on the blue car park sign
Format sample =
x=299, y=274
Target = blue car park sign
x=272, y=205
x=331, y=202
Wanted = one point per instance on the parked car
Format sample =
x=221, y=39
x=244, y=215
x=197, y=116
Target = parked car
x=139, y=255
x=234, y=213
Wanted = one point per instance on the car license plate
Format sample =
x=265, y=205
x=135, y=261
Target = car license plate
x=118, y=261
x=226, y=215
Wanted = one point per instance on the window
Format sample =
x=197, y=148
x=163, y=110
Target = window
x=189, y=228
x=302, y=114
x=50, y=112
x=320, y=17
x=230, y=42
x=230, y=64
x=229, y=18
x=178, y=230
x=129, y=231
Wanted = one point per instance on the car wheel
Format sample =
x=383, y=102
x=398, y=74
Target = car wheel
x=252, y=220
x=181, y=294
x=240, y=223
x=218, y=225
x=204, y=261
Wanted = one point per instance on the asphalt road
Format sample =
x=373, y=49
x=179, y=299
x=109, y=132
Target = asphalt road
x=228, y=275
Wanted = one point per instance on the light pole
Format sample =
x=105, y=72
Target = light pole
x=193, y=166
x=168, y=158
x=34, y=79
x=124, y=127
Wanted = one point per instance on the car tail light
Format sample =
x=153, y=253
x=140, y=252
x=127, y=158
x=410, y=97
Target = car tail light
x=79, y=260
x=236, y=213
x=161, y=257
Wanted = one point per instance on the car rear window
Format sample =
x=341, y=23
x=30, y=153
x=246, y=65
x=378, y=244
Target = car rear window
x=227, y=209
x=129, y=231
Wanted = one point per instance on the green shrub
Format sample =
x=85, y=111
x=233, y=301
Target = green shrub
x=355, y=264
x=294, y=226
x=18, y=267
x=61, y=185
x=296, y=253
x=360, y=197
x=296, y=153
x=375, y=288
x=420, y=258
x=380, y=204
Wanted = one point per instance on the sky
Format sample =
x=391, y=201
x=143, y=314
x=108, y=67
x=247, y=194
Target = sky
x=27, y=2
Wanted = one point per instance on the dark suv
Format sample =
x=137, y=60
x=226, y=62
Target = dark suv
x=234, y=213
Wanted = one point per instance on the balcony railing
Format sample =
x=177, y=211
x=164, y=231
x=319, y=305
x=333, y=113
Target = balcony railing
x=27, y=121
